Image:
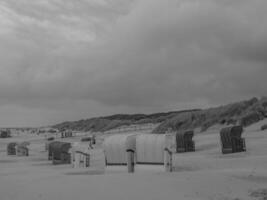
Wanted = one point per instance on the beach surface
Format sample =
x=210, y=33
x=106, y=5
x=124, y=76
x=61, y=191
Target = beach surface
x=204, y=174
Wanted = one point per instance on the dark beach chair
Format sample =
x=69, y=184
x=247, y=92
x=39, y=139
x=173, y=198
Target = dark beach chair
x=231, y=140
x=5, y=134
x=59, y=152
x=184, y=142
x=11, y=148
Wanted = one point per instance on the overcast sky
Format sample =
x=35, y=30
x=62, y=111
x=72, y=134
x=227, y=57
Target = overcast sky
x=74, y=59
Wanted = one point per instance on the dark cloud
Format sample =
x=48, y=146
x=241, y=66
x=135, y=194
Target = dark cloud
x=76, y=59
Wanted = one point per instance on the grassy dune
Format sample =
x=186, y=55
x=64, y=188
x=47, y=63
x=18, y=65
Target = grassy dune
x=244, y=112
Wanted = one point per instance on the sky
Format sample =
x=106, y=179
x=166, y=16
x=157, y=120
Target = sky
x=64, y=60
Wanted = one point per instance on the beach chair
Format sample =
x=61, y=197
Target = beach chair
x=11, y=148
x=231, y=140
x=184, y=142
x=60, y=153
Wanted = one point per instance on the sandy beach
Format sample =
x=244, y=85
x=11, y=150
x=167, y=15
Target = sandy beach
x=204, y=174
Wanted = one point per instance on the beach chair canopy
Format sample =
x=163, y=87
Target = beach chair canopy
x=150, y=148
x=115, y=147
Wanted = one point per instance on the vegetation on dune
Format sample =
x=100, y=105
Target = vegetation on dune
x=114, y=121
x=244, y=113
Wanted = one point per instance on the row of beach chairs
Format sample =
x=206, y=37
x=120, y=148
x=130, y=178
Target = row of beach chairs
x=60, y=152
x=134, y=149
x=230, y=137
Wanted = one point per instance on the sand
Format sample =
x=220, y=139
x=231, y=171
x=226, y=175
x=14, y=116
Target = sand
x=204, y=174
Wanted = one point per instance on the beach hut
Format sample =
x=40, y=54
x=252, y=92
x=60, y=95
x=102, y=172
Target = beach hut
x=184, y=142
x=116, y=146
x=58, y=152
x=11, y=148
x=150, y=148
x=231, y=140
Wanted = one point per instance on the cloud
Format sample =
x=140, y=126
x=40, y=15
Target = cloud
x=129, y=56
x=180, y=51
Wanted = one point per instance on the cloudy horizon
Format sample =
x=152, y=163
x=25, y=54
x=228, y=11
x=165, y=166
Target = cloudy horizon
x=71, y=60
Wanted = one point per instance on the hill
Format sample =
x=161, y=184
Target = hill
x=244, y=113
x=106, y=123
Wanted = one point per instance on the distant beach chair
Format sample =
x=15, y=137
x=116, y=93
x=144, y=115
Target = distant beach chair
x=5, y=133
x=184, y=142
x=59, y=152
x=80, y=156
x=22, y=149
x=11, y=148
x=81, y=159
x=231, y=140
